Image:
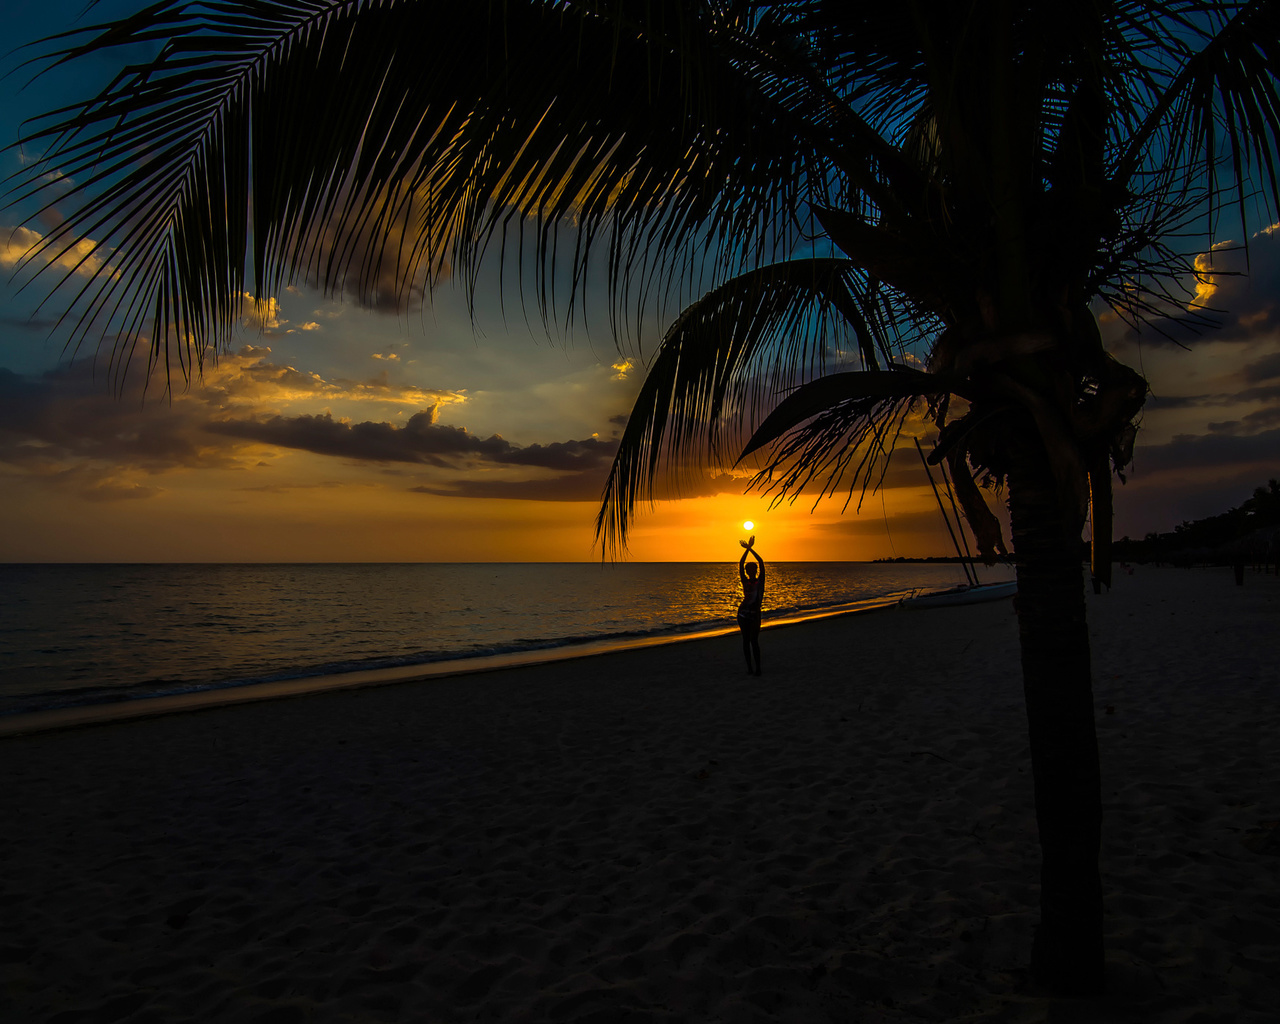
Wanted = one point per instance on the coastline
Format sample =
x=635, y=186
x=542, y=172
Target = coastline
x=85, y=715
x=651, y=835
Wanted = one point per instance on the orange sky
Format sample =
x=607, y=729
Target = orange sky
x=335, y=433
x=423, y=458
x=330, y=432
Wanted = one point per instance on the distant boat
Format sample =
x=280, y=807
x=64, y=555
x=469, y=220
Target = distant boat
x=964, y=594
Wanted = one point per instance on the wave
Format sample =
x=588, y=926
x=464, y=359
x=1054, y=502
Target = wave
x=80, y=696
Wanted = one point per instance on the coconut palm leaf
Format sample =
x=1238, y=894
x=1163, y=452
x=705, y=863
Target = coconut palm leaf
x=863, y=390
x=846, y=442
x=726, y=357
x=243, y=156
x=1213, y=118
x=985, y=171
x=839, y=426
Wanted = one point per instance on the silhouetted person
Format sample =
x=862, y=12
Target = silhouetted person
x=752, y=599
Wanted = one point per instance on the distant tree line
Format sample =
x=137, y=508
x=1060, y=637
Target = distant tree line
x=1247, y=534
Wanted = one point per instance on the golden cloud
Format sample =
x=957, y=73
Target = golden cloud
x=248, y=378
x=17, y=247
x=264, y=314
x=1207, y=283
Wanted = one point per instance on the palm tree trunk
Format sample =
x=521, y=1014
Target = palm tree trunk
x=1067, y=954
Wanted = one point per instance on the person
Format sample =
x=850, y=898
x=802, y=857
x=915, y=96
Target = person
x=749, y=609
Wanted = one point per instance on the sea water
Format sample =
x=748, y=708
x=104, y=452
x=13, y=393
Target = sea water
x=86, y=634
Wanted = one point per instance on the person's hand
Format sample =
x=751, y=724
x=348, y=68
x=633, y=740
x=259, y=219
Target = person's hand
x=744, y=543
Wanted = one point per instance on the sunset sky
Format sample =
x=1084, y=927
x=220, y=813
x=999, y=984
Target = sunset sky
x=332, y=432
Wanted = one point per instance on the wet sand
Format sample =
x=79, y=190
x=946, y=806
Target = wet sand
x=653, y=835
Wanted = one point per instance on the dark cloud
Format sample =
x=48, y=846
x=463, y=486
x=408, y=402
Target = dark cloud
x=1192, y=451
x=563, y=455
x=420, y=440
x=1184, y=401
x=370, y=261
x=69, y=429
x=1242, y=304
x=1270, y=393
x=1266, y=368
x=43, y=327
x=1195, y=475
x=1250, y=423
x=66, y=413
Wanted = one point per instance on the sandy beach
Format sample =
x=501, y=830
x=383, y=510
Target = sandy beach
x=655, y=836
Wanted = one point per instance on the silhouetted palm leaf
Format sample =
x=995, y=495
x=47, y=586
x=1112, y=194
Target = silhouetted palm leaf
x=731, y=352
x=246, y=154
x=862, y=390
x=986, y=172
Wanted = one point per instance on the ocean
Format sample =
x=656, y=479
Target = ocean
x=91, y=634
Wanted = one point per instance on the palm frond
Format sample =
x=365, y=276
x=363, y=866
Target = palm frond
x=847, y=441
x=256, y=148
x=727, y=356
x=1202, y=131
x=840, y=427
x=865, y=389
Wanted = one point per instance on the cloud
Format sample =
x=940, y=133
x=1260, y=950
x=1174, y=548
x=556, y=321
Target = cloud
x=112, y=489
x=386, y=263
x=64, y=428
x=249, y=377
x=1216, y=450
x=1240, y=297
x=263, y=314
x=16, y=245
x=66, y=416
x=1266, y=393
x=420, y=440
x=1249, y=423
x=1162, y=402
x=1208, y=274
x=1266, y=368
x=563, y=455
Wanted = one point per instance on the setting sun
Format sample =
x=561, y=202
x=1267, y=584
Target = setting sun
x=748, y=525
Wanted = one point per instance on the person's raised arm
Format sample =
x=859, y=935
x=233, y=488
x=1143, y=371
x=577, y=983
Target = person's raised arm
x=752, y=552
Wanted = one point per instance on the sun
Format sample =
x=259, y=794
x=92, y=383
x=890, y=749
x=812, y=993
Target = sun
x=748, y=525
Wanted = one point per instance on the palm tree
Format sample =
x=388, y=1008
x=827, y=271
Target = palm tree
x=882, y=208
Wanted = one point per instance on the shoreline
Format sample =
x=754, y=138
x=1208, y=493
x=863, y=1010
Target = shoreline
x=127, y=709
x=653, y=836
